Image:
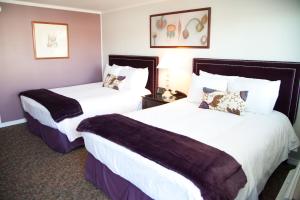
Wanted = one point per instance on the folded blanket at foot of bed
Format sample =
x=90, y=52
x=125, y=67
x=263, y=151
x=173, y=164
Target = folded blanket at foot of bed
x=59, y=106
x=214, y=172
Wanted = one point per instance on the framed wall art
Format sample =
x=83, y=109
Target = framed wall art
x=50, y=40
x=187, y=28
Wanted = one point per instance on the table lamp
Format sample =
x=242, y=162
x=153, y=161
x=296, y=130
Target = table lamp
x=167, y=95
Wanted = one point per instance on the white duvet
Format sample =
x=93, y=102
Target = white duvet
x=258, y=142
x=94, y=100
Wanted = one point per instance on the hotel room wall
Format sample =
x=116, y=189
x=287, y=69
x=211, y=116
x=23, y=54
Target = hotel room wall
x=20, y=71
x=254, y=30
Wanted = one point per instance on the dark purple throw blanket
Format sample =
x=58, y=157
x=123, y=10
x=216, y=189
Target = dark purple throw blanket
x=215, y=173
x=59, y=106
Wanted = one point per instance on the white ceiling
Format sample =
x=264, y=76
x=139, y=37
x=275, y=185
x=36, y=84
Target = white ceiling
x=95, y=5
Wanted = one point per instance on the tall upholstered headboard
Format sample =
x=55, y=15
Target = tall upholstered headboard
x=139, y=62
x=287, y=72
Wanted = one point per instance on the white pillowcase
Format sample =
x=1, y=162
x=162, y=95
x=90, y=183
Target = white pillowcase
x=209, y=75
x=114, y=70
x=195, y=93
x=136, y=78
x=262, y=94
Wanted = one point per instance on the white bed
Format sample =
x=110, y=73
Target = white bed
x=141, y=78
x=258, y=142
x=94, y=100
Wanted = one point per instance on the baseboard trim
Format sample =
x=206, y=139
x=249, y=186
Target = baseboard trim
x=293, y=161
x=11, y=123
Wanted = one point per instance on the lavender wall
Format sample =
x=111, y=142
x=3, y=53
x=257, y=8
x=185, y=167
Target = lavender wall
x=20, y=71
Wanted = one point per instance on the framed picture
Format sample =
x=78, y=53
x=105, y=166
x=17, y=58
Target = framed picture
x=50, y=40
x=187, y=28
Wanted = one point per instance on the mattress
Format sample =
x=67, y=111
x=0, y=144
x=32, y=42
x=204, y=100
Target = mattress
x=258, y=142
x=94, y=100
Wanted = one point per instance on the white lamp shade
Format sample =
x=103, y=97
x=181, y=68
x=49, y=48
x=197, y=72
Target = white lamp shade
x=163, y=65
x=166, y=62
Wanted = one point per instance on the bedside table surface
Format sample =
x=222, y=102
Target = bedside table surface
x=157, y=97
x=152, y=100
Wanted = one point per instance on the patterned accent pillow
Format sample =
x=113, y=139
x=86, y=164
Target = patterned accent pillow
x=112, y=81
x=231, y=102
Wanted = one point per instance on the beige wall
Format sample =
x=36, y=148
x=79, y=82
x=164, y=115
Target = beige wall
x=255, y=30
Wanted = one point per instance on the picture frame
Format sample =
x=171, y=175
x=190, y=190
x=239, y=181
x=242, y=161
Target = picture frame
x=187, y=28
x=50, y=40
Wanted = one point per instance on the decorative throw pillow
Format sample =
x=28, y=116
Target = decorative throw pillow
x=231, y=102
x=112, y=81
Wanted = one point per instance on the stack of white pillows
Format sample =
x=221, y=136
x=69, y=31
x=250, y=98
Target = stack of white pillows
x=262, y=94
x=135, y=78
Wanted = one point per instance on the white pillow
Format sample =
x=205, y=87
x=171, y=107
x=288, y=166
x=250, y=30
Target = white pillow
x=209, y=75
x=141, y=78
x=195, y=93
x=136, y=78
x=262, y=94
x=114, y=70
x=119, y=66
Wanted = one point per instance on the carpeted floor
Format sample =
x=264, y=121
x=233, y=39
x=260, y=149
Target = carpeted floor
x=30, y=170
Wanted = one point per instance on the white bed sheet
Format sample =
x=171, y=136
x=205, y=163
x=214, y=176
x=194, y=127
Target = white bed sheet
x=258, y=142
x=94, y=100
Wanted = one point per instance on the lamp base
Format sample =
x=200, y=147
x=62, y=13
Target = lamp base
x=168, y=96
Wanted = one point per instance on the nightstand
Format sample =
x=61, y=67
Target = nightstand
x=157, y=100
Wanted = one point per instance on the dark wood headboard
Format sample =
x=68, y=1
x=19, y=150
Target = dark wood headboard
x=287, y=72
x=139, y=62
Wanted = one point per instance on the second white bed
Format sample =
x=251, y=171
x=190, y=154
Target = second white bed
x=94, y=100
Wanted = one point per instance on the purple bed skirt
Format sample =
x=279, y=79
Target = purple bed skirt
x=113, y=185
x=52, y=137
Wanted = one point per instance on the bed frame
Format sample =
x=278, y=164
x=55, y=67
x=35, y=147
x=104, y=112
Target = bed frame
x=59, y=141
x=287, y=72
x=118, y=188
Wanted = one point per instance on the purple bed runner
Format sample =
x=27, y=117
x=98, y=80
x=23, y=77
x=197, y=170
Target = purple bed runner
x=59, y=106
x=215, y=173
